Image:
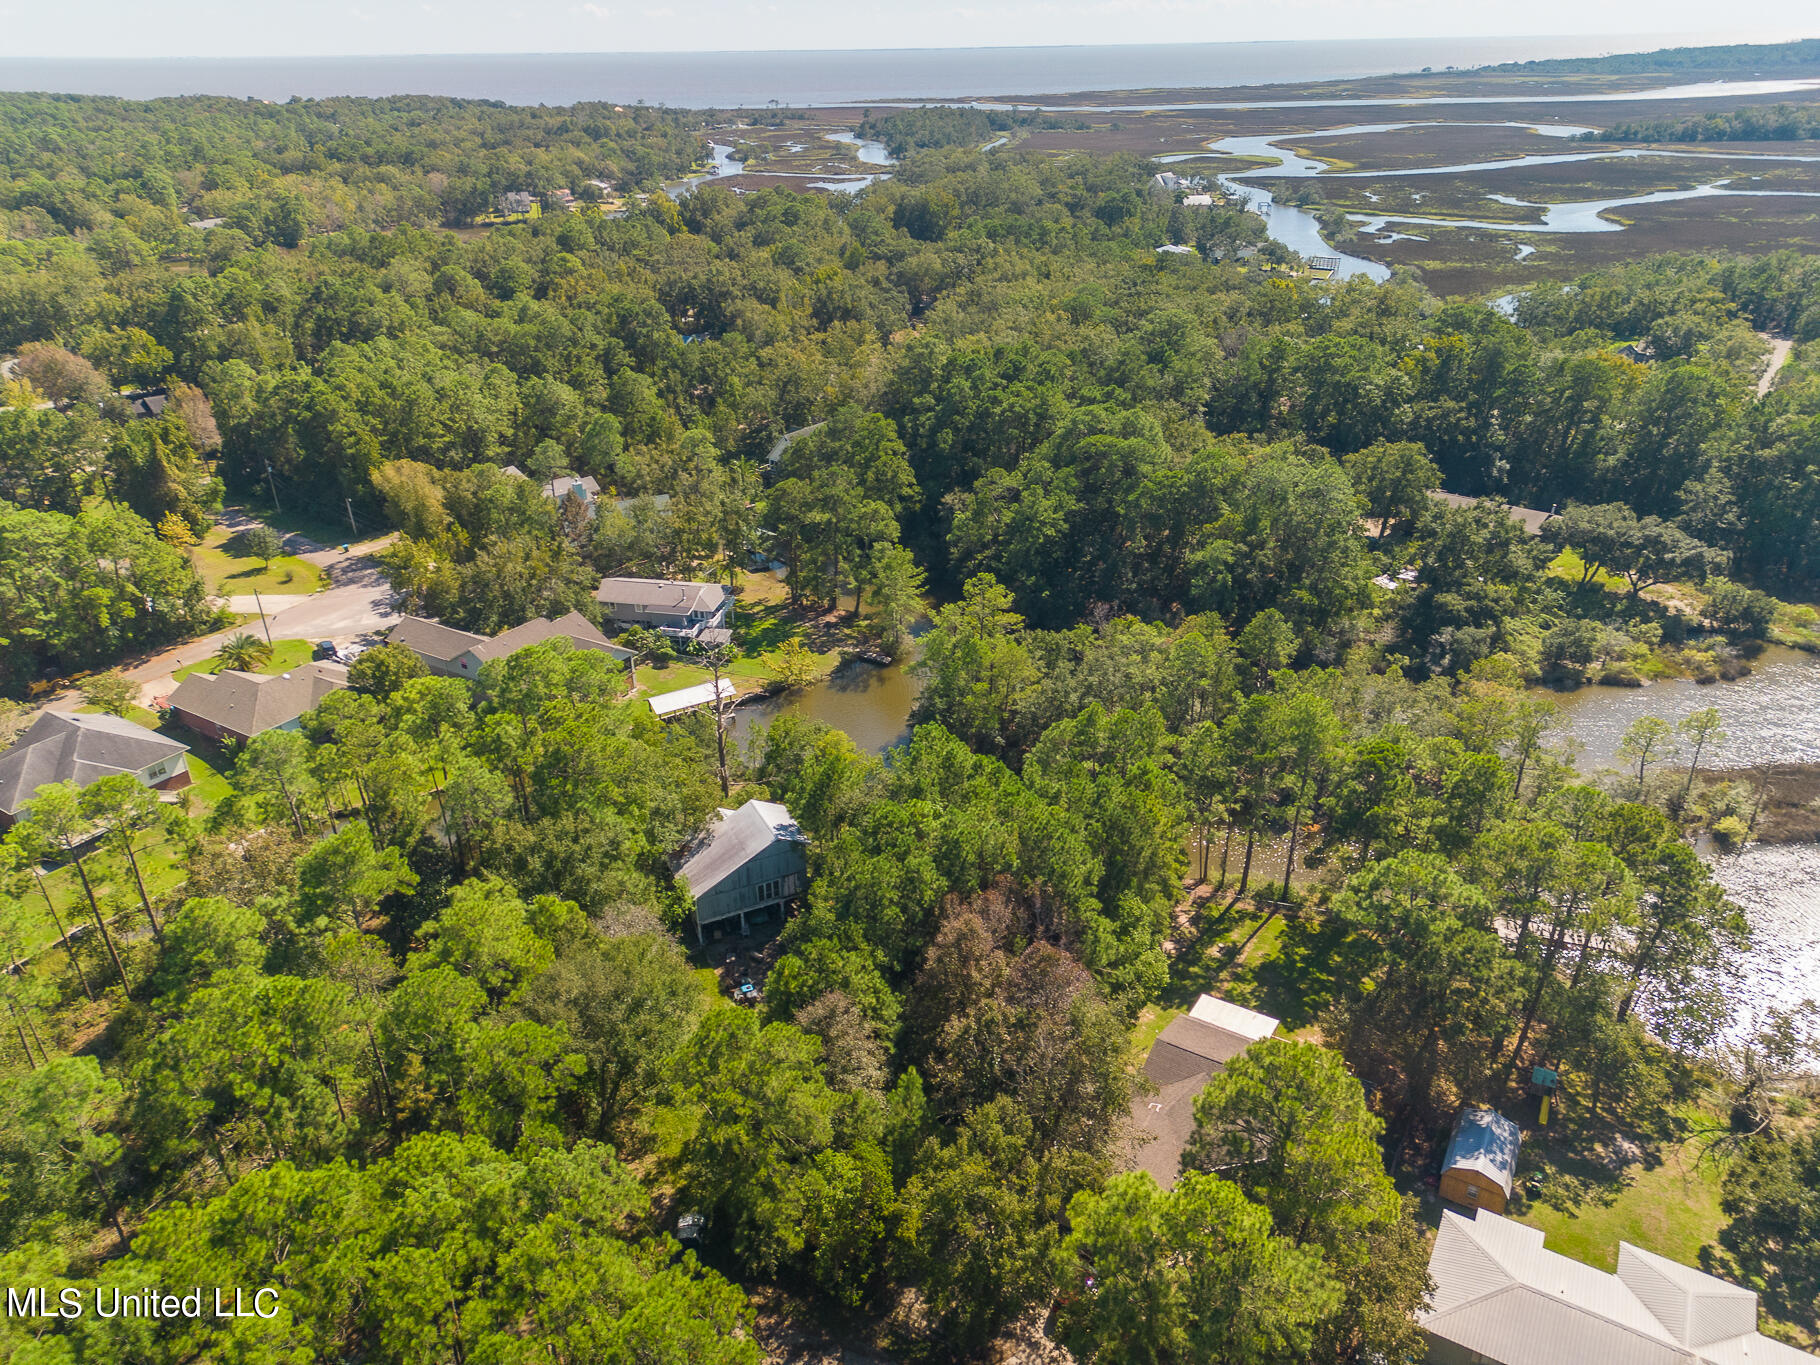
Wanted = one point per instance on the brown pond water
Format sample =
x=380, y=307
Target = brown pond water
x=1771, y=716
x=869, y=702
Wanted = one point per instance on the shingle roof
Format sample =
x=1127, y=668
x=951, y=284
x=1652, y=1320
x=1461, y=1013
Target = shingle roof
x=432, y=639
x=731, y=840
x=252, y=703
x=660, y=594
x=1500, y=1293
x=1191, y=1051
x=60, y=747
x=574, y=627
x=1531, y=517
x=1485, y=1142
x=560, y=487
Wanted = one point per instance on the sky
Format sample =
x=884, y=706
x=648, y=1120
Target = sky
x=268, y=28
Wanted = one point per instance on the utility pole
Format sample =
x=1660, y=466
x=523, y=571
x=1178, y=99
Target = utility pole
x=262, y=618
x=349, y=504
x=272, y=484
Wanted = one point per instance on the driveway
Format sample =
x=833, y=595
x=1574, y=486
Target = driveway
x=358, y=602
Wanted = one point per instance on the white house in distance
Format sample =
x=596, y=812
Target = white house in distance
x=59, y=747
x=682, y=611
x=1191, y=1051
x=745, y=861
x=1502, y=1298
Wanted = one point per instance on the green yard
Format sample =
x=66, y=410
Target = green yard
x=1671, y=1208
x=229, y=573
x=286, y=655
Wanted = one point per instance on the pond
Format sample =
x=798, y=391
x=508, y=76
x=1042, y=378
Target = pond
x=869, y=703
x=1772, y=716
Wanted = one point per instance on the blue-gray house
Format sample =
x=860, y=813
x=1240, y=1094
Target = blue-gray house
x=752, y=859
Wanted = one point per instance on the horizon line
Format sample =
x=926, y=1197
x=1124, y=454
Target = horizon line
x=1668, y=39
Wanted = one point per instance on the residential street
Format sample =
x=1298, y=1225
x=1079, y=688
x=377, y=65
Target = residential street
x=357, y=604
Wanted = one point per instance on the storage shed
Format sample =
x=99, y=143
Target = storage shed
x=1480, y=1168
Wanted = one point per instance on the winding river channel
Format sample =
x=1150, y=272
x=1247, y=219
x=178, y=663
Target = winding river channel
x=1299, y=230
x=1772, y=716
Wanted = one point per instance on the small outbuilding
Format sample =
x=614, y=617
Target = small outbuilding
x=1480, y=1168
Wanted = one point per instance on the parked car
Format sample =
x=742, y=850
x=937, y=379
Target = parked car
x=325, y=649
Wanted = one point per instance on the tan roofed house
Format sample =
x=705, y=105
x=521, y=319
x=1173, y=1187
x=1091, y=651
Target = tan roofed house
x=1502, y=1298
x=681, y=610
x=1191, y=1051
x=235, y=705
x=459, y=653
x=439, y=646
x=60, y=747
x=754, y=859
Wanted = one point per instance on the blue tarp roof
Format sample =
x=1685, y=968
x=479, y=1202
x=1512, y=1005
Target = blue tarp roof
x=1486, y=1142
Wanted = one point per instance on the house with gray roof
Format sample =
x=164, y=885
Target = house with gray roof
x=1480, y=1167
x=62, y=747
x=753, y=860
x=459, y=653
x=680, y=610
x=577, y=629
x=586, y=486
x=439, y=646
x=236, y=705
x=1191, y=1051
x=1502, y=1298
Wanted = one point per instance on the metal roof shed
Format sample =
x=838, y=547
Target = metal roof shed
x=1480, y=1168
x=688, y=698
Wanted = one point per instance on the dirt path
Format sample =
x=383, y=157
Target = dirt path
x=1779, y=347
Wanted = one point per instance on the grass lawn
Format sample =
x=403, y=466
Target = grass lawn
x=765, y=621
x=286, y=655
x=1569, y=567
x=1671, y=1209
x=228, y=573
x=329, y=528
x=137, y=714
x=208, y=787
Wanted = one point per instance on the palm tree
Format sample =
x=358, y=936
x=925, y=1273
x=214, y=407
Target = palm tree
x=243, y=651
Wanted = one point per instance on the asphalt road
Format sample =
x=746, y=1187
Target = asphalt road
x=358, y=603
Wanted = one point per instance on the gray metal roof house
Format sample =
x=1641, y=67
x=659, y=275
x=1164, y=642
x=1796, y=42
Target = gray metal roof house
x=1480, y=1167
x=752, y=859
x=61, y=747
x=1502, y=1298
